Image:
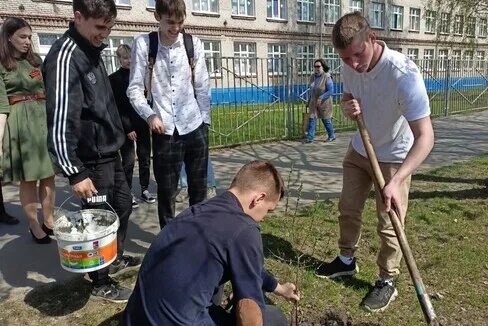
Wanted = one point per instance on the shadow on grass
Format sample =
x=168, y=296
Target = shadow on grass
x=481, y=193
x=436, y=178
x=60, y=298
x=114, y=320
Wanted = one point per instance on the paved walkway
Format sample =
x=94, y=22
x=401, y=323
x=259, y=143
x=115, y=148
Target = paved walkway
x=317, y=166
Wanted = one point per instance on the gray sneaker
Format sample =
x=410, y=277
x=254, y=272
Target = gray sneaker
x=148, y=197
x=182, y=195
x=211, y=192
x=380, y=296
x=123, y=265
x=112, y=292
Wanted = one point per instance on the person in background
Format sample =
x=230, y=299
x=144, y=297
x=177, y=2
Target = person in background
x=211, y=183
x=220, y=241
x=320, y=104
x=135, y=128
x=23, y=129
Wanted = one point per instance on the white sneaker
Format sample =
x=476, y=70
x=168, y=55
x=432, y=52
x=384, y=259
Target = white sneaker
x=211, y=192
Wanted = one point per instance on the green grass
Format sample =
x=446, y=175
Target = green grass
x=446, y=227
x=252, y=123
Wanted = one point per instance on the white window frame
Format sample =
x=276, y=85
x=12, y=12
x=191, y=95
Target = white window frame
x=277, y=52
x=458, y=25
x=244, y=8
x=396, y=18
x=483, y=27
x=205, y=6
x=413, y=54
x=276, y=9
x=306, y=10
x=356, y=5
x=480, y=59
x=445, y=23
x=213, y=57
x=442, y=55
x=415, y=15
x=305, y=57
x=377, y=13
x=332, y=11
x=151, y=3
x=470, y=26
x=331, y=58
x=430, y=21
x=245, y=63
x=428, y=59
x=456, y=57
x=44, y=48
x=110, y=57
x=468, y=59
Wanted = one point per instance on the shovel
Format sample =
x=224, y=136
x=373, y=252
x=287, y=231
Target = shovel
x=422, y=295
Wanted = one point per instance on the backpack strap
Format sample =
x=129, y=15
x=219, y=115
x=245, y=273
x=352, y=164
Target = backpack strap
x=153, y=51
x=190, y=53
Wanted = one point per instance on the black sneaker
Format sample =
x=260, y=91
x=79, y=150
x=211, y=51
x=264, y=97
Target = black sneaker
x=336, y=268
x=380, y=296
x=147, y=197
x=112, y=292
x=124, y=265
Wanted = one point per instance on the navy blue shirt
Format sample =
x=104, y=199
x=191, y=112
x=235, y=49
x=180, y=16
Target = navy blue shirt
x=205, y=246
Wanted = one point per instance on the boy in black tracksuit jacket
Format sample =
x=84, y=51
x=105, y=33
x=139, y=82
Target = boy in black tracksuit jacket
x=134, y=127
x=85, y=131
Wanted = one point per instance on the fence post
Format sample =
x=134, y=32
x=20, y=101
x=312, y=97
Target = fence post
x=447, y=87
x=289, y=93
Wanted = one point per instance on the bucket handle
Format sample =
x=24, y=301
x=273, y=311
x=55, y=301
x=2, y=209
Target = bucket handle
x=71, y=196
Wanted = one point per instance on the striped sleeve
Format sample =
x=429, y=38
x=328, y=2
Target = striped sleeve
x=64, y=104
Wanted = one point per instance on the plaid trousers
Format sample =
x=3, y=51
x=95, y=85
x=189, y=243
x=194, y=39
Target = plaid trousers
x=169, y=153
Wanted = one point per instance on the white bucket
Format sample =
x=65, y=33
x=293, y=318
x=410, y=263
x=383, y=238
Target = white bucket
x=87, y=239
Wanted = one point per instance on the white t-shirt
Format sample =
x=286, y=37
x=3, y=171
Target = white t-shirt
x=390, y=95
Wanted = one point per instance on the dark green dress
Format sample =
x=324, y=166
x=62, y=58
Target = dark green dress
x=25, y=155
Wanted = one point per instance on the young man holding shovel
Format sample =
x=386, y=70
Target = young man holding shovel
x=388, y=90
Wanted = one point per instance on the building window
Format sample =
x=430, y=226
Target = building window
x=45, y=42
x=331, y=58
x=206, y=6
x=470, y=26
x=122, y=2
x=480, y=59
x=151, y=3
x=458, y=25
x=414, y=19
x=483, y=30
x=441, y=59
x=377, y=15
x=305, y=57
x=456, y=56
x=413, y=54
x=243, y=7
x=109, y=56
x=332, y=11
x=276, y=9
x=428, y=59
x=211, y=50
x=430, y=17
x=468, y=59
x=356, y=5
x=245, y=64
x=306, y=10
x=396, y=18
x=445, y=22
x=276, y=59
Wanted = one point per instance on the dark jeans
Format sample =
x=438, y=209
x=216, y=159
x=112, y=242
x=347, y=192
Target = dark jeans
x=109, y=180
x=272, y=316
x=128, y=155
x=169, y=153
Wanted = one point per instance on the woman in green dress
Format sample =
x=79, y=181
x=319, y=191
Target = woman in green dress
x=23, y=129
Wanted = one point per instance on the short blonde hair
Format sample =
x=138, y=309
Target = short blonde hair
x=122, y=49
x=348, y=28
x=259, y=176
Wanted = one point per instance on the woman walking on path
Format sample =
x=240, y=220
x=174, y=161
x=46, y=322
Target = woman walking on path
x=320, y=104
x=23, y=127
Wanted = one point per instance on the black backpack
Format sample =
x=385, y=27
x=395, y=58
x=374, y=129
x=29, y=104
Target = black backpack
x=153, y=51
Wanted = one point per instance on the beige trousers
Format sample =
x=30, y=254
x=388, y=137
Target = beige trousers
x=357, y=182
